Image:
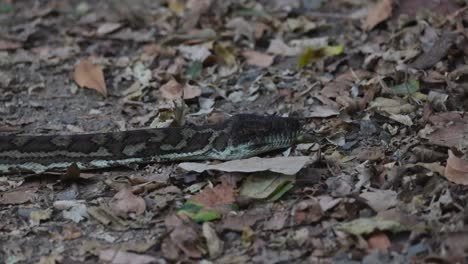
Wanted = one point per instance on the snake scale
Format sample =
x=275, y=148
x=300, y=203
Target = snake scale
x=241, y=136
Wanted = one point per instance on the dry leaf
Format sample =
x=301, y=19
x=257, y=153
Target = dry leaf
x=258, y=59
x=108, y=27
x=380, y=241
x=125, y=201
x=379, y=13
x=90, y=76
x=380, y=200
x=121, y=257
x=171, y=90
x=284, y=165
x=221, y=194
x=457, y=169
x=9, y=45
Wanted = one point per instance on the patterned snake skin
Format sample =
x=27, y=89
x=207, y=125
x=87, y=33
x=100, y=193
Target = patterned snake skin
x=241, y=136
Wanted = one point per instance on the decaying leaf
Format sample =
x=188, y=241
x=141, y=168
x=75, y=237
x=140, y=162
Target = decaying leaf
x=363, y=226
x=379, y=13
x=114, y=256
x=268, y=186
x=221, y=194
x=456, y=169
x=258, y=59
x=380, y=241
x=380, y=200
x=90, y=76
x=283, y=165
x=125, y=202
x=310, y=54
x=210, y=204
x=214, y=243
x=408, y=87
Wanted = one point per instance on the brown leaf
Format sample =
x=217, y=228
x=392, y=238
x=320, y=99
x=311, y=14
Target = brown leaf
x=171, y=90
x=174, y=90
x=380, y=241
x=221, y=194
x=307, y=212
x=15, y=197
x=125, y=201
x=258, y=59
x=379, y=13
x=121, y=257
x=437, y=52
x=108, y=27
x=457, y=169
x=90, y=76
x=9, y=45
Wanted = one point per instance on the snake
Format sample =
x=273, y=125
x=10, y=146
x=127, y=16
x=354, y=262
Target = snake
x=241, y=136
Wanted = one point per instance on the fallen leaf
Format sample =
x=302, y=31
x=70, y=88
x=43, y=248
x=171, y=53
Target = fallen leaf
x=379, y=13
x=194, y=52
x=108, y=27
x=90, y=76
x=121, y=257
x=450, y=129
x=214, y=244
x=125, y=202
x=185, y=235
x=221, y=194
x=278, y=47
x=307, y=212
x=258, y=59
x=209, y=204
x=437, y=52
x=10, y=45
x=106, y=216
x=37, y=216
x=380, y=241
x=199, y=213
x=364, y=226
x=236, y=222
x=380, y=200
x=176, y=6
x=72, y=209
x=15, y=197
x=311, y=54
x=267, y=186
x=195, y=69
x=173, y=90
x=283, y=165
x=405, y=88
x=225, y=55
x=277, y=221
x=51, y=259
x=457, y=169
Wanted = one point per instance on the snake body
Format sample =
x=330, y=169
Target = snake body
x=241, y=136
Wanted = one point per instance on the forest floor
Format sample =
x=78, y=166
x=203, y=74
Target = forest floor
x=382, y=83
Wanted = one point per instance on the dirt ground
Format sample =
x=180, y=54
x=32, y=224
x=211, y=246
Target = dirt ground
x=381, y=83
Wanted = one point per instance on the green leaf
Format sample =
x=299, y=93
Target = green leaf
x=207, y=215
x=310, y=54
x=198, y=213
x=6, y=8
x=405, y=88
x=195, y=69
x=280, y=191
x=266, y=186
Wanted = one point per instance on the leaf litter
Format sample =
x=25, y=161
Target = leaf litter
x=381, y=85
